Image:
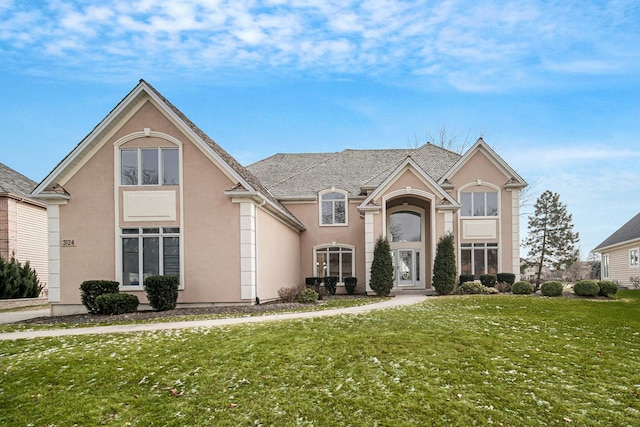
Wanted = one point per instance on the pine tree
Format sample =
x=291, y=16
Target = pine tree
x=551, y=239
x=382, y=268
x=444, y=266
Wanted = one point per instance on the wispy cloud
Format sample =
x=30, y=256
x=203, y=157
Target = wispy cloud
x=473, y=46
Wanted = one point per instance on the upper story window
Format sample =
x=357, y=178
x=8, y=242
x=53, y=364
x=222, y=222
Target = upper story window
x=405, y=226
x=333, y=208
x=149, y=166
x=479, y=203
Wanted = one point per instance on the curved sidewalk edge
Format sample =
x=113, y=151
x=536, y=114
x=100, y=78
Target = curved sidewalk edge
x=400, y=300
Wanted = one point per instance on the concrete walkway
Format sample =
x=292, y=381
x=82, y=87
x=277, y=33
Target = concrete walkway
x=24, y=314
x=400, y=300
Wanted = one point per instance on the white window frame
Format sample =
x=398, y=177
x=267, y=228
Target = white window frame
x=480, y=245
x=473, y=193
x=349, y=249
x=633, y=258
x=605, y=266
x=346, y=208
x=140, y=235
x=138, y=151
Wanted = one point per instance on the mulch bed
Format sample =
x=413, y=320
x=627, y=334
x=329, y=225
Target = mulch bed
x=79, y=319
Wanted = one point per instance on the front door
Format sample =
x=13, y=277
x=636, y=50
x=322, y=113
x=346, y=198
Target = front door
x=407, y=267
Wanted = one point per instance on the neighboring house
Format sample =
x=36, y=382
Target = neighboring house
x=147, y=192
x=620, y=253
x=23, y=222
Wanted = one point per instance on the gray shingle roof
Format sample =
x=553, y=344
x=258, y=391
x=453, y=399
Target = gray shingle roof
x=305, y=174
x=14, y=182
x=629, y=231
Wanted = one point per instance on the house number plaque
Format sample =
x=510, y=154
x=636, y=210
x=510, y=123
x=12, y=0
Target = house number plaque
x=68, y=243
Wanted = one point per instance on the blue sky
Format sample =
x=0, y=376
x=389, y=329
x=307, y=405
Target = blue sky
x=554, y=87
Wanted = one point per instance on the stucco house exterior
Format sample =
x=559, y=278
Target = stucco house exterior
x=147, y=192
x=23, y=223
x=620, y=253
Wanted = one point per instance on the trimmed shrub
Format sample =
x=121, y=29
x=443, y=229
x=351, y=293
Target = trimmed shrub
x=330, y=284
x=509, y=278
x=522, y=288
x=551, y=289
x=17, y=280
x=489, y=280
x=473, y=288
x=313, y=282
x=586, y=288
x=607, y=287
x=444, y=266
x=503, y=287
x=350, y=284
x=466, y=278
x=162, y=292
x=382, y=268
x=117, y=303
x=289, y=294
x=91, y=289
x=308, y=296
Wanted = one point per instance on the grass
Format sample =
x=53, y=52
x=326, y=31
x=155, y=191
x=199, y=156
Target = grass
x=469, y=360
x=327, y=304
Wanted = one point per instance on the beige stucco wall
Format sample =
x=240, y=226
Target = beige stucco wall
x=278, y=256
x=210, y=224
x=317, y=235
x=479, y=167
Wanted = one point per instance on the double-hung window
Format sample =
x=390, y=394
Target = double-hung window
x=479, y=258
x=149, y=166
x=149, y=251
x=479, y=203
x=333, y=208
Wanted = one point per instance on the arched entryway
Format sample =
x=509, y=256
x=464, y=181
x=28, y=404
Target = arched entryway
x=408, y=228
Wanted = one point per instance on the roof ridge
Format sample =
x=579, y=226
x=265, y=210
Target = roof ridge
x=393, y=166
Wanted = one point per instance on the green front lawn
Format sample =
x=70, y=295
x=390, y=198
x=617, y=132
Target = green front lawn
x=470, y=360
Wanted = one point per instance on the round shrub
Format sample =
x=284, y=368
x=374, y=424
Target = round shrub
x=91, y=289
x=473, y=288
x=350, y=284
x=308, y=296
x=607, y=287
x=522, y=288
x=162, y=292
x=506, y=278
x=117, y=303
x=488, y=280
x=551, y=289
x=586, y=288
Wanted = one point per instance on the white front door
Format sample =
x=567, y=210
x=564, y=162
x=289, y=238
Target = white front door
x=407, y=267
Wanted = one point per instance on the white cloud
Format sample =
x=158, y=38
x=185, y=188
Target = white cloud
x=474, y=46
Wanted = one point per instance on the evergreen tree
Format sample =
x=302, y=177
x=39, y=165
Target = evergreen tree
x=382, y=268
x=551, y=240
x=444, y=266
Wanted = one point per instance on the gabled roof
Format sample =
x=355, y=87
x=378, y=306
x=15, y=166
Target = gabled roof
x=12, y=182
x=303, y=175
x=247, y=183
x=628, y=232
x=515, y=180
x=408, y=161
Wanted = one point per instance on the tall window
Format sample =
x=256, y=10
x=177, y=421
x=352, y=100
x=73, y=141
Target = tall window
x=605, y=266
x=633, y=257
x=479, y=203
x=149, y=166
x=479, y=258
x=334, y=261
x=149, y=252
x=333, y=208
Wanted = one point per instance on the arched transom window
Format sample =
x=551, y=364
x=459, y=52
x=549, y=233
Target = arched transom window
x=405, y=226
